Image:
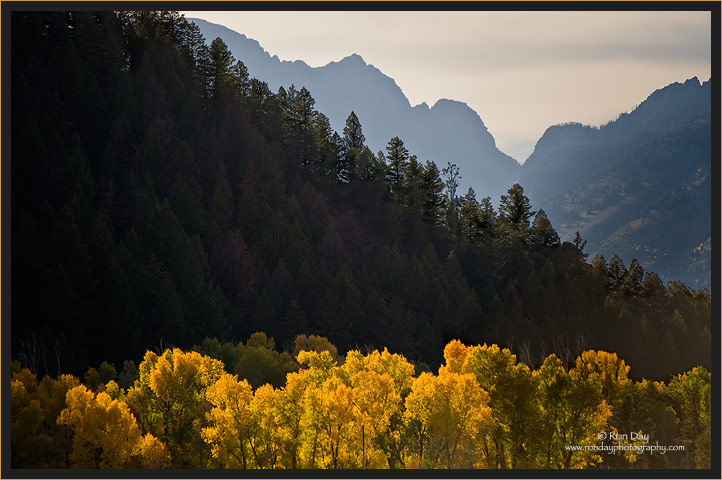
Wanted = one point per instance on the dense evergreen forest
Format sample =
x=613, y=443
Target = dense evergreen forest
x=160, y=196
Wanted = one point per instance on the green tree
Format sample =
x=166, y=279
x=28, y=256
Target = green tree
x=218, y=71
x=397, y=159
x=513, y=399
x=432, y=193
x=616, y=273
x=690, y=393
x=542, y=233
x=515, y=212
x=353, y=136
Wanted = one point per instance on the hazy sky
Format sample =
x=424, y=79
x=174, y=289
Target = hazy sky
x=520, y=71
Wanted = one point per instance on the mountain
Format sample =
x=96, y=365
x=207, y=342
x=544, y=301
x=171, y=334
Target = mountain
x=449, y=131
x=639, y=187
x=627, y=187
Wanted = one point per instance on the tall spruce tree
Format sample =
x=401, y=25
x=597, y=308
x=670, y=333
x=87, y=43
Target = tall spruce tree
x=432, y=189
x=398, y=160
x=515, y=212
x=352, y=133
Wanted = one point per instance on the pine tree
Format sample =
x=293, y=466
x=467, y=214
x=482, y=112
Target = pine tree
x=633, y=281
x=470, y=216
x=616, y=273
x=580, y=244
x=515, y=212
x=352, y=134
x=413, y=183
x=432, y=193
x=543, y=234
x=398, y=160
x=219, y=67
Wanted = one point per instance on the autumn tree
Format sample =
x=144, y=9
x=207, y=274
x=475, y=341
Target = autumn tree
x=230, y=422
x=450, y=414
x=106, y=435
x=690, y=393
x=573, y=413
x=513, y=399
x=169, y=399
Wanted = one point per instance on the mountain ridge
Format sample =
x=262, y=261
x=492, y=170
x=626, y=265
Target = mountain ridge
x=351, y=84
x=605, y=182
x=567, y=158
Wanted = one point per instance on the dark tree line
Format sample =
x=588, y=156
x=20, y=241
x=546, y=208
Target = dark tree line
x=161, y=196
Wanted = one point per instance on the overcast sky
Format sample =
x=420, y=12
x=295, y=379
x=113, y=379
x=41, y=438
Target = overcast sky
x=520, y=71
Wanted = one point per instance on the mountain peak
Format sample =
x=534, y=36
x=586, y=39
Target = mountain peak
x=353, y=58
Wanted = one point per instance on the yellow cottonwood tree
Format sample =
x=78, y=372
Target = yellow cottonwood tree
x=574, y=412
x=451, y=414
x=513, y=400
x=266, y=436
x=229, y=422
x=375, y=401
x=169, y=401
x=613, y=372
x=153, y=453
x=330, y=414
x=26, y=415
x=289, y=412
x=105, y=434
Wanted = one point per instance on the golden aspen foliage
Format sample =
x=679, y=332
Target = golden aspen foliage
x=52, y=394
x=394, y=365
x=451, y=414
x=169, y=401
x=105, y=434
x=612, y=370
x=455, y=354
x=574, y=412
x=336, y=420
x=310, y=454
x=114, y=391
x=266, y=436
x=514, y=405
x=229, y=422
x=153, y=453
x=483, y=409
x=26, y=417
x=618, y=391
x=375, y=401
x=36, y=439
x=314, y=343
x=320, y=365
x=289, y=412
x=393, y=441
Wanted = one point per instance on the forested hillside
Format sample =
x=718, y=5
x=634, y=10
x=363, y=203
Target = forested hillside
x=640, y=186
x=447, y=129
x=161, y=196
x=628, y=186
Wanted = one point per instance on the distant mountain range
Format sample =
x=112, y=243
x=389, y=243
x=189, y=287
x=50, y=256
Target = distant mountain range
x=449, y=131
x=639, y=187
